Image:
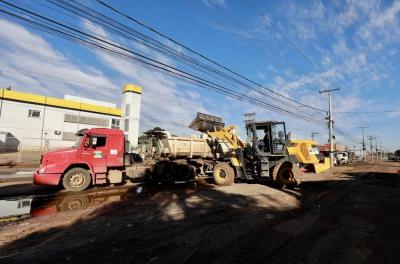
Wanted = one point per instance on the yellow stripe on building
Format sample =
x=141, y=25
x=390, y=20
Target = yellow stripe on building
x=23, y=97
x=63, y=103
x=57, y=102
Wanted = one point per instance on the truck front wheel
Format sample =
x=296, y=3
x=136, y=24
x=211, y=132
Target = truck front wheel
x=76, y=180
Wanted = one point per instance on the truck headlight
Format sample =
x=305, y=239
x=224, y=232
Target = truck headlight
x=42, y=170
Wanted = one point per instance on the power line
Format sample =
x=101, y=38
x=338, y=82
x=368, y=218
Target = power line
x=368, y=112
x=107, y=22
x=285, y=38
x=203, y=56
x=204, y=85
x=294, y=47
x=262, y=42
x=113, y=49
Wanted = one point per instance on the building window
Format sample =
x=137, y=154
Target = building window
x=127, y=110
x=69, y=136
x=126, y=125
x=34, y=113
x=87, y=120
x=115, y=123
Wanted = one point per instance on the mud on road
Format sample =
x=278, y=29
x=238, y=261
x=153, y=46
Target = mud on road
x=347, y=215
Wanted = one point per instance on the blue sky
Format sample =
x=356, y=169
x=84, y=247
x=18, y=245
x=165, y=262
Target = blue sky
x=294, y=48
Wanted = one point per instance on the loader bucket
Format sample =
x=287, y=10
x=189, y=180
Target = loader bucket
x=207, y=123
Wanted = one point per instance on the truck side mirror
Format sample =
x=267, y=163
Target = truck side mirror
x=86, y=143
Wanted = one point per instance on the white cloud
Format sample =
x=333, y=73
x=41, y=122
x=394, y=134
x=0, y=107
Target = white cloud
x=165, y=102
x=212, y=3
x=30, y=63
x=382, y=27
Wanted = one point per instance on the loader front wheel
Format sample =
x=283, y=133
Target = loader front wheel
x=223, y=174
x=286, y=174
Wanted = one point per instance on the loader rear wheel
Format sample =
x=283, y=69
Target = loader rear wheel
x=224, y=174
x=76, y=180
x=286, y=174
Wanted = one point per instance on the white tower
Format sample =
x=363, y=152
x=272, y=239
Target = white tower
x=131, y=95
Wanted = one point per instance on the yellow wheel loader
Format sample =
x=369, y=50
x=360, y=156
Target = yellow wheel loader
x=262, y=157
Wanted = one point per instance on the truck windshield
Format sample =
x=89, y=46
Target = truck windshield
x=78, y=141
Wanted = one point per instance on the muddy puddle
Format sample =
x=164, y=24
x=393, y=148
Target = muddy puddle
x=14, y=209
x=18, y=208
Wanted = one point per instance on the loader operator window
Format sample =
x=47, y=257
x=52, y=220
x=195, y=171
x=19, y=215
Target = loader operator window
x=263, y=139
x=278, y=137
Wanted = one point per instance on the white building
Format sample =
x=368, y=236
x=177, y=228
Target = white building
x=37, y=122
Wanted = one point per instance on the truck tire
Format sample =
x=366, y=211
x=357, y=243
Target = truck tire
x=223, y=174
x=74, y=203
x=76, y=180
x=286, y=174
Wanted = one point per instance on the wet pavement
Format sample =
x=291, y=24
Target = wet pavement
x=31, y=206
x=26, y=200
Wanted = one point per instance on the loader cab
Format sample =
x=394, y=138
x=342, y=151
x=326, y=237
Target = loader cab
x=267, y=137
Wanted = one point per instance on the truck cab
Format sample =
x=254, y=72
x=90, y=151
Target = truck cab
x=96, y=153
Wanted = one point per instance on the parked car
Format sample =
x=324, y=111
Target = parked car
x=342, y=157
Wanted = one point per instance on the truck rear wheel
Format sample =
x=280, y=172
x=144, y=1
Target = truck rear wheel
x=286, y=173
x=76, y=180
x=224, y=174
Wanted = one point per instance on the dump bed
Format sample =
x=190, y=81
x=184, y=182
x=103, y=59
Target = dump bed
x=186, y=147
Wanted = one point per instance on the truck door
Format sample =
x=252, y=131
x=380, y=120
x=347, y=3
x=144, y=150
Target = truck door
x=95, y=152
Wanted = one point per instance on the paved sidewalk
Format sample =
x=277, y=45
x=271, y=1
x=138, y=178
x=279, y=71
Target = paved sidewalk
x=19, y=174
x=23, y=175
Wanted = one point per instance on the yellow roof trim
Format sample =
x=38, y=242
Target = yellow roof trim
x=132, y=88
x=57, y=102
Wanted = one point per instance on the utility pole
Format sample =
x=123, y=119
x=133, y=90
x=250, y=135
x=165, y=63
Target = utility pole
x=376, y=148
x=363, y=142
x=313, y=134
x=370, y=138
x=330, y=123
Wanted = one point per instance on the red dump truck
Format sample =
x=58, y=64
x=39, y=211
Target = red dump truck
x=99, y=157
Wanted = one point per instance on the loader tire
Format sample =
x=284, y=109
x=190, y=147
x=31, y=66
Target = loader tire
x=223, y=174
x=286, y=174
x=76, y=180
